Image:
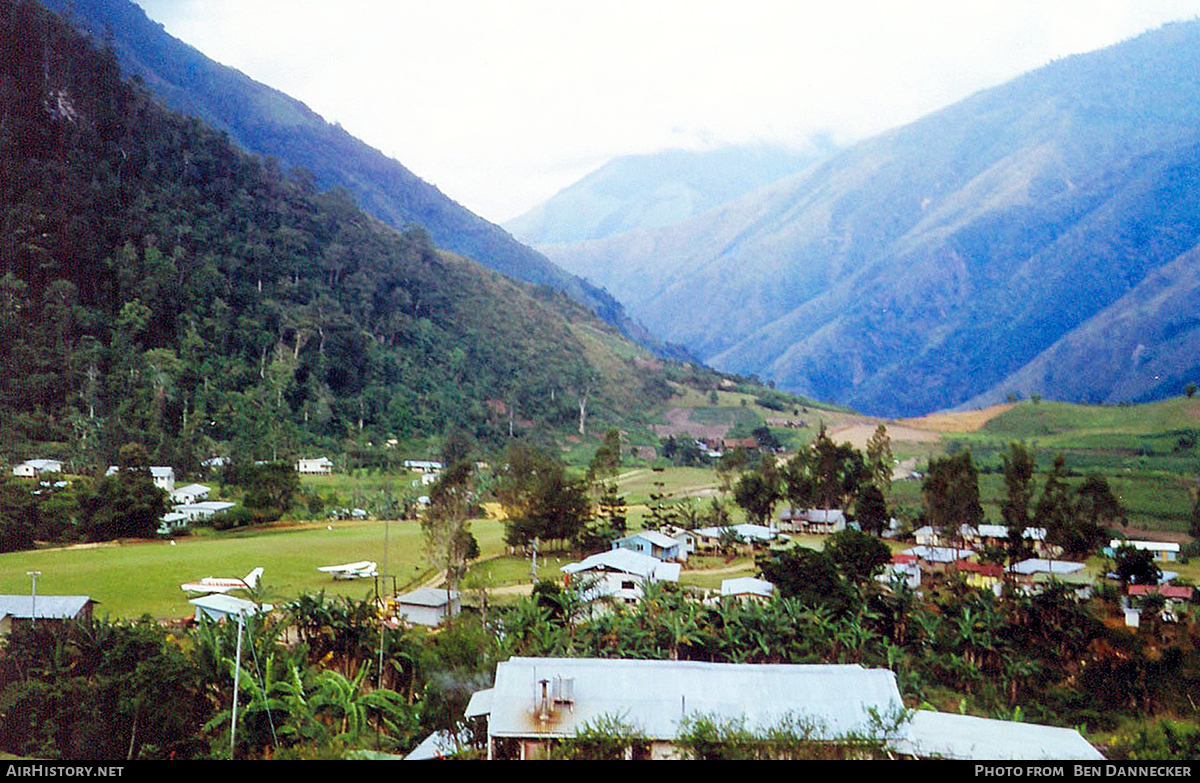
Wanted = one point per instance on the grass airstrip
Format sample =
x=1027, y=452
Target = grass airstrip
x=1146, y=452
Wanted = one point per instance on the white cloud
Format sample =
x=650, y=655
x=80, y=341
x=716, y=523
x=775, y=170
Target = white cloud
x=501, y=104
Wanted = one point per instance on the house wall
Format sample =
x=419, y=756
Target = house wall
x=424, y=615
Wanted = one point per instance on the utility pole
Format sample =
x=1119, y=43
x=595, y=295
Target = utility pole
x=237, y=670
x=33, y=597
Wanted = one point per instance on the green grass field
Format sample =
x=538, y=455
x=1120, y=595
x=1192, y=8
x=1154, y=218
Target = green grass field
x=132, y=579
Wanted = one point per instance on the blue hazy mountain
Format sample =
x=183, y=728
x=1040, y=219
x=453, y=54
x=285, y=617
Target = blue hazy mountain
x=1037, y=237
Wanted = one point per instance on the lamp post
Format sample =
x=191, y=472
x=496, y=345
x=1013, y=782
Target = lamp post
x=33, y=596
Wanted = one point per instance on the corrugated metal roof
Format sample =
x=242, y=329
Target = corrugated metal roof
x=629, y=562
x=220, y=605
x=49, y=607
x=653, y=536
x=480, y=704
x=1036, y=565
x=747, y=585
x=427, y=596
x=655, y=696
x=965, y=737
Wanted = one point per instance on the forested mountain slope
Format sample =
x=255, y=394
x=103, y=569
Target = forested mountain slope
x=267, y=122
x=954, y=257
x=159, y=285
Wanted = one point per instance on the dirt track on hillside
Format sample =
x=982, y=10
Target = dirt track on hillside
x=857, y=435
x=679, y=422
x=961, y=421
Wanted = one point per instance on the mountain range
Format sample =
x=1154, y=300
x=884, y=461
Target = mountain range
x=265, y=121
x=659, y=189
x=1037, y=238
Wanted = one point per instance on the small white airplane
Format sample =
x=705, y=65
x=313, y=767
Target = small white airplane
x=359, y=570
x=216, y=584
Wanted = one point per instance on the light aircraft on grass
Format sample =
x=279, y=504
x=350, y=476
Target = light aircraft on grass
x=216, y=584
x=361, y=569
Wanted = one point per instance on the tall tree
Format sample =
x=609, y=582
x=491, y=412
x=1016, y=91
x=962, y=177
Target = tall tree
x=759, y=490
x=951, y=491
x=879, y=459
x=541, y=501
x=446, y=522
x=1019, y=467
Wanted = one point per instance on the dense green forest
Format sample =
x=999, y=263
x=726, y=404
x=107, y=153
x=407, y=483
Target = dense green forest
x=159, y=286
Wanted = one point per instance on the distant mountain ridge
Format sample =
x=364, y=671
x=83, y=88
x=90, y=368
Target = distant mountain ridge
x=946, y=262
x=647, y=191
x=267, y=122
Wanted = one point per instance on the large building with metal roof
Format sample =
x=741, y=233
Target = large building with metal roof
x=32, y=608
x=537, y=702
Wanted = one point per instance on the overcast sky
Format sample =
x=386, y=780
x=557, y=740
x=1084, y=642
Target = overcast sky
x=501, y=103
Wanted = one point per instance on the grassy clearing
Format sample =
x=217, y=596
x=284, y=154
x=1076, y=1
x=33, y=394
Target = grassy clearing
x=136, y=578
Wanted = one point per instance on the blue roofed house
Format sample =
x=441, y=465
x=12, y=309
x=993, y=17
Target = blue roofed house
x=653, y=543
x=20, y=609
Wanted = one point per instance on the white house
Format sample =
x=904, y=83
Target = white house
x=163, y=476
x=422, y=466
x=1161, y=550
x=32, y=468
x=619, y=574
x=428, y=605
x=192, y=493
x=171, y=522
x=203, y=509
x=318, y=465
x=747, y=588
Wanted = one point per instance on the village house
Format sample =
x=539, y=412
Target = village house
x=655, y=544
x=25, y=609
x=1027, y=569
x=318, y=466
x=981, y=576
x=1175, y=598
x=422, y=465
x=163, y=476
x=1162, y=551
x=753, y=535
x=34, y=468
x=172, y=522
x=811, y=521
x=903, y=568
x=537, y=702
x=936, y=559
x=997, y=535
x=428, y=605
x=194, y=512
x=747, y=588
x=192, y=493
x=618, y=574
